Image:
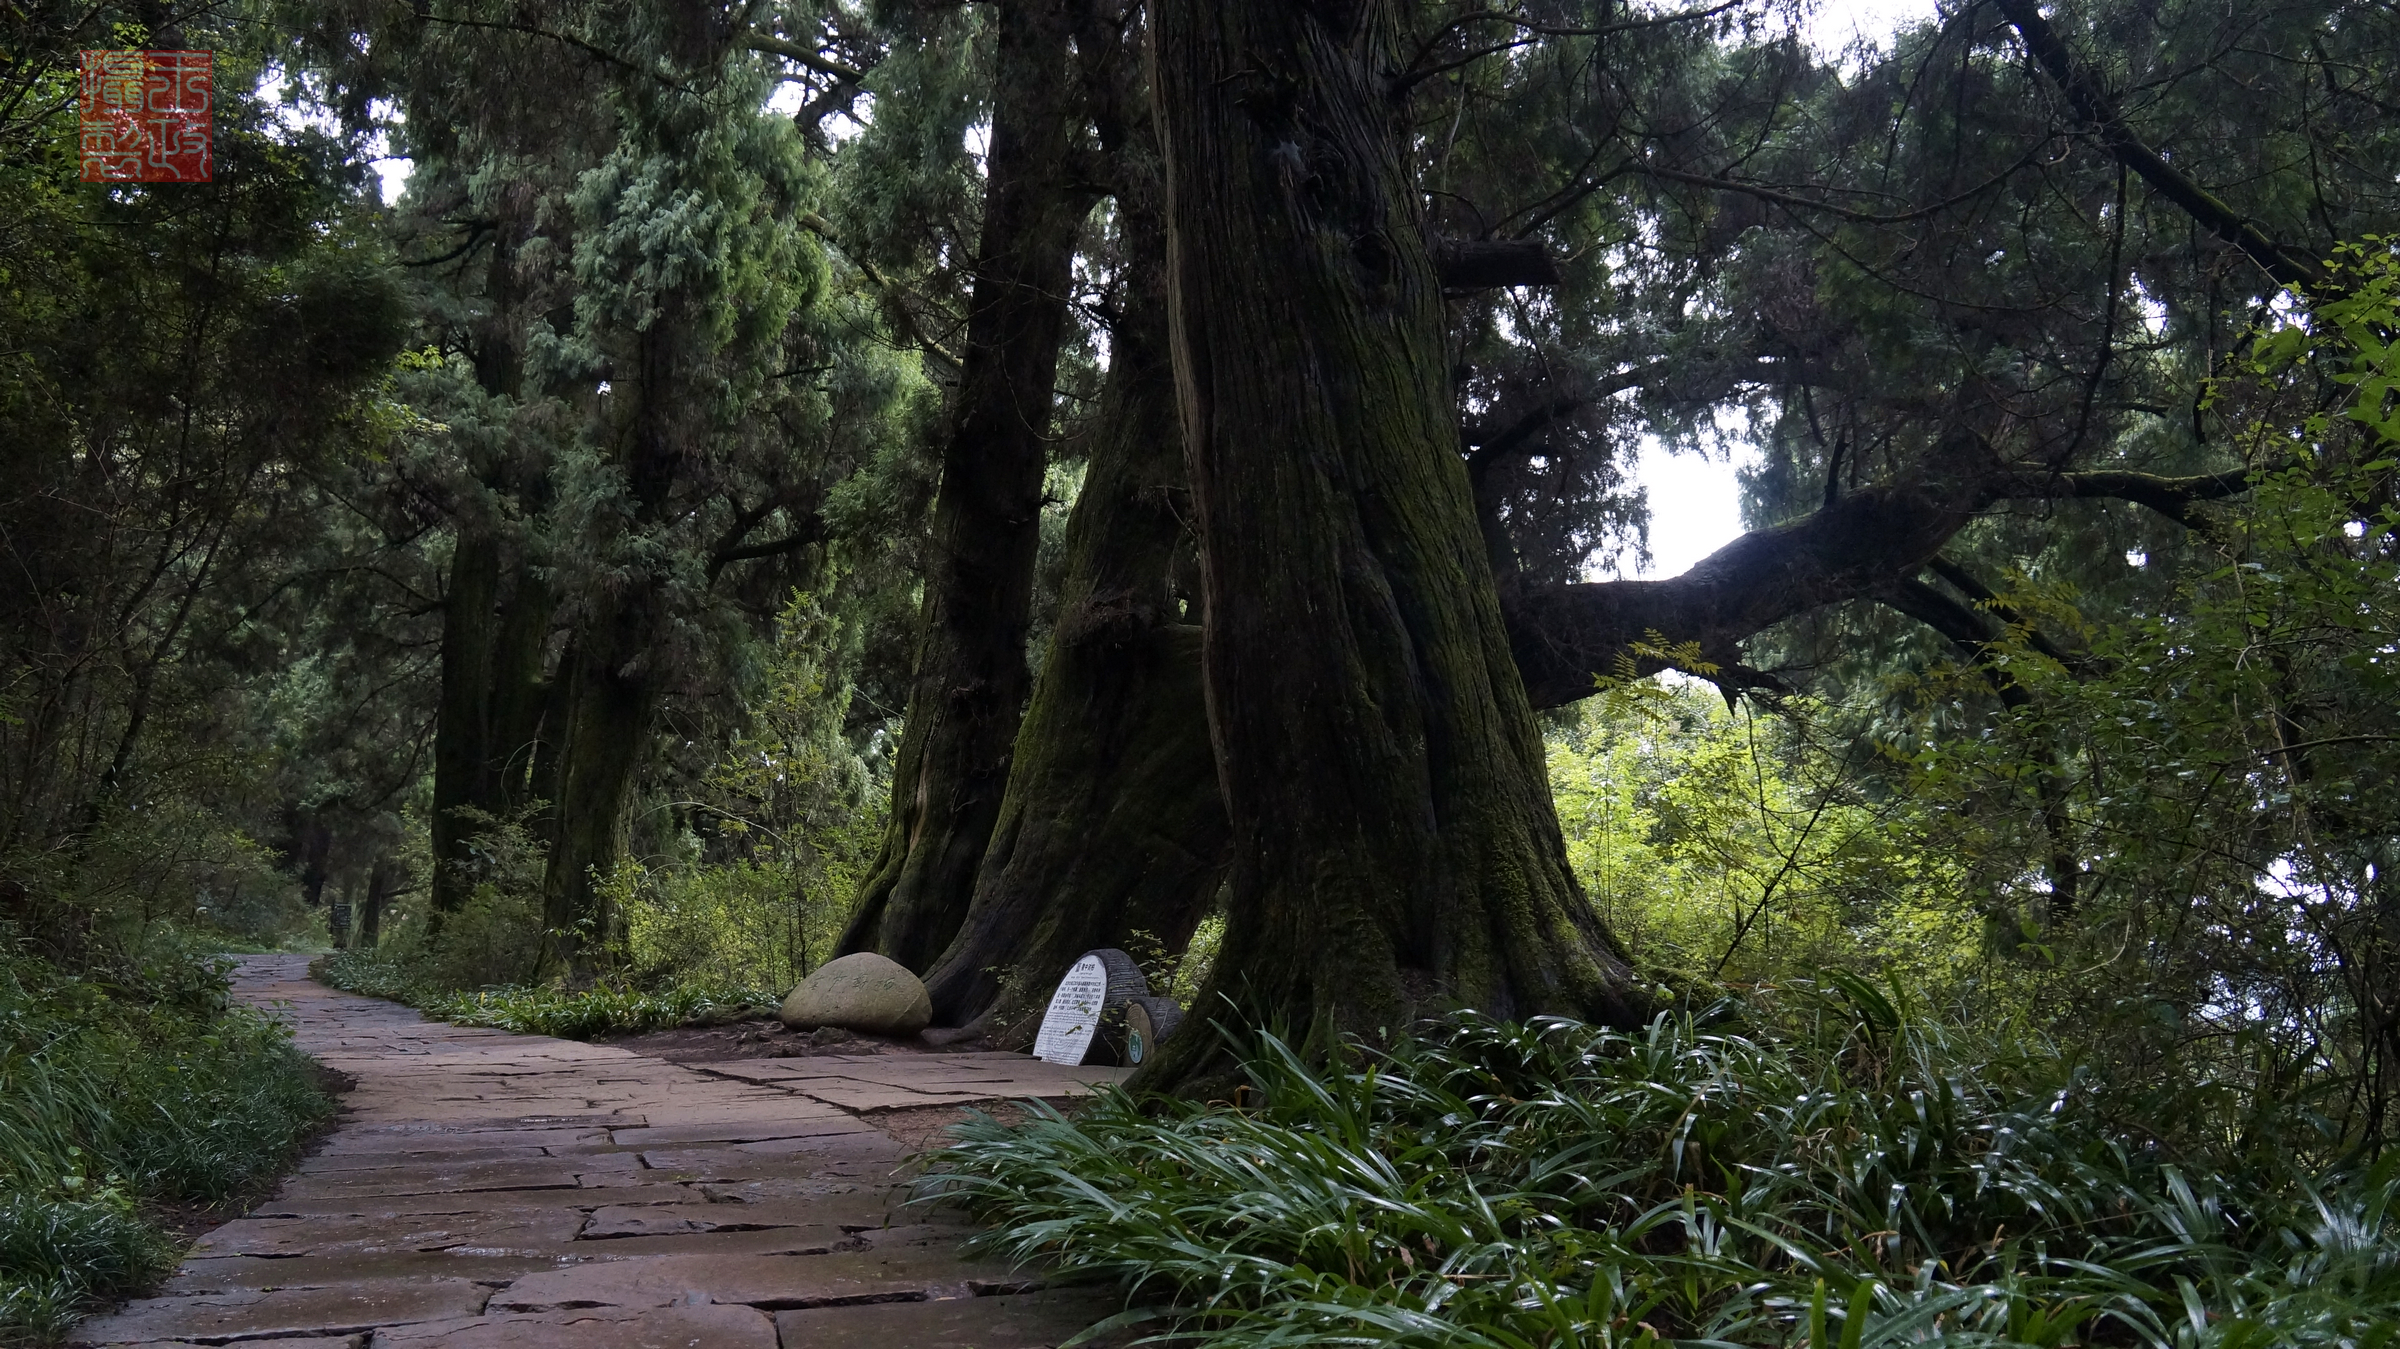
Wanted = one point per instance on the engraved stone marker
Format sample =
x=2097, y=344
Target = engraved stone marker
x=1148, y=1022
x=1074, y=1015
x=1099, y=981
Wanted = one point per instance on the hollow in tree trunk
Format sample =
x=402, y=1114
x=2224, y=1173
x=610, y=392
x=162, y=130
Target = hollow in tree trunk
x=1394, y=845
x=1112, y=830
x=971, y=677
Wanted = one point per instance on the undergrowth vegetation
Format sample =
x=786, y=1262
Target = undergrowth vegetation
x=129, y=1085
x=544, y=1009
x=1818, y=1167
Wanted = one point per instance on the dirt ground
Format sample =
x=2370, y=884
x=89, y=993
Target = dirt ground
x=763, y=1038
x=766, y=1038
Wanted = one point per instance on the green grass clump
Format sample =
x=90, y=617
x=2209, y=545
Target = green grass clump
x=579, y=1014
x=593, y=1012
x=1856, y=1180
x=120, y=1089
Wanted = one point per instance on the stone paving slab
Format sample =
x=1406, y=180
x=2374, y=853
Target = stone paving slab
x=494, y=1191
x=809, y=1239
x=513, y=1228
x=1009, y=1321
x=702, y=1327
x=235, y=1273
x=255, y=1314
x=307, y=1342
x=769, y=1281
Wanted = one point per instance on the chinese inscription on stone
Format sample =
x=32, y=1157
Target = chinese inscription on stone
x=145, y=116
x=1074, y=1015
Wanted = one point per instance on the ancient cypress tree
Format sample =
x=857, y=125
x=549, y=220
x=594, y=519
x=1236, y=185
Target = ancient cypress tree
x=1394, y=844
x=968, y=691
x=1928, y=448
x=500, y=119
x=690, y=260
x=1112, y=832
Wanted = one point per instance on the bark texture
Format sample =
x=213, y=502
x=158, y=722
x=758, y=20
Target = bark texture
x=971, y=679
x=605, y=730
x=495, y=628
x=1394, y=844
x=1112, y=824
x=496, y=613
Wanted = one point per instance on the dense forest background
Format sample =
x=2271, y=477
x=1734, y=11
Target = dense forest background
x=630, y=557
x=979, y=482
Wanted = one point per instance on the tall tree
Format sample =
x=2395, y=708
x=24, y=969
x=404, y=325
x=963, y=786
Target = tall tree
x=968, y=692
x=1112, y=832
x=1393, y=838
x=188, y=366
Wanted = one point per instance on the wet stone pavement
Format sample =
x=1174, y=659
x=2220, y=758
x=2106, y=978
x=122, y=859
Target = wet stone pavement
x=485, y=1190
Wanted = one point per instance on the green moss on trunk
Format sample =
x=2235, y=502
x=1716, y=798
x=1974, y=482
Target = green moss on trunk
x=1112, y=825
x=971, y=677
x=1394, y=845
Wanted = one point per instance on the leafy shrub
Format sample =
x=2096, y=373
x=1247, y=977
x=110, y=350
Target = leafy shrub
x=110, y=1098
x=1736, y=845
x=1855, y=1176
x=756, y=921
x=61, y=1252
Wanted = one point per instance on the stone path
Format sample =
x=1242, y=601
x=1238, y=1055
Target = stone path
x=486, y=1189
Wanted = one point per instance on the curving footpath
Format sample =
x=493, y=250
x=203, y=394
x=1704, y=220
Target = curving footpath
x=485, y=1189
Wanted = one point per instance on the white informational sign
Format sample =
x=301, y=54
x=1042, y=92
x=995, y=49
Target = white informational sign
x=1074, y=1015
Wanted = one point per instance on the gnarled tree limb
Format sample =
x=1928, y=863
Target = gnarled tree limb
x=1864, y=546
x=2094, y=106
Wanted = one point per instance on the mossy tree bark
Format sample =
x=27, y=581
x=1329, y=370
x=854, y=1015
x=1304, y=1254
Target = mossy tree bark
x=971, y=678
x=1112, y=825
x=495, y=632
x=609, y=700
x=1394, y=843
x=496, y=612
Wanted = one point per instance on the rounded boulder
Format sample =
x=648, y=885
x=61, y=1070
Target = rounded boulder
x=863, y=992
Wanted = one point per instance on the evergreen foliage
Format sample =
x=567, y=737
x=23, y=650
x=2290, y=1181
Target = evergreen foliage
x=523, y=586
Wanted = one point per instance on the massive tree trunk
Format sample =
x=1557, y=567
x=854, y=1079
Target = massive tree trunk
x=495, y=634
x=1112, y=829
x=971, y=677
x=613, y=671
x=496, y=613
x=609, y=701
x=1394, y=844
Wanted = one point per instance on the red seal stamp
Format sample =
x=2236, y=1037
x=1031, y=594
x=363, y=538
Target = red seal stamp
x=146, y=116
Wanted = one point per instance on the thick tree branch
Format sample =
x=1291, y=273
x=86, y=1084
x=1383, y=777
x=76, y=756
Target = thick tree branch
x=1517, y=435
x=1565, y=635
x=2170, y=497
x=794, y=52
x=811, y=529
x=1989, y=601
x=896, y=299
x=2093, y=105
x=1795, y=202
x=1965, y=627
x=1864, y=546
x=1971, y=632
